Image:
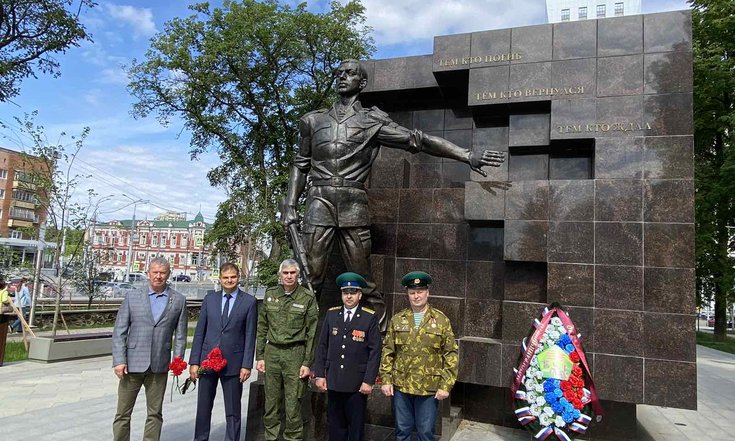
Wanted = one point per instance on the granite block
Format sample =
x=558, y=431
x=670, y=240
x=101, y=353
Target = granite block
x=510, y=358
x=383, y=238
x=620, y=36
x=618, y=332
x=454, y=175
x=479, y=361
x=448, y=241
x=389, y=274
x=422, y=75
x=527, y=78
x=669, y=157
x=482, y=319
x=449, y=50
x=583, y=319
x=404, y=119
x=523, y=314
x=527, y=200
x=619, y=158
x=486, y=85
x=392, y=74
x=528, y=166
x=491, y=138
x=619, y=378
x=486, y=242
x=669, y=72
x=449, y=205
x=669, y=290
x=567, y=166
x=449, y=277
x=369, y=66
x=416, y=205
x=529, y=130
x=387, y=172
x=620, y=75
x=485, y=280
x=668, y=114
x=619, y=287
x=670, y=383
x=624, y=110
x=429, y=120
x=570, y=117
x=618, y=200
x=383, y=205
x=668, y=31
x=571, y=242
x=525, y=240
x=487, y=404
x=458, y=119
x=484, y=201
x=534, y=43
x=452, y=307
x=571, y=200
x=403, y=267
x=577, y=39
x=625, y=427
x=669, y=245
x=575, y=79
x=414, y=240
x=618, y=243
x=425, y=175
x=571, y=284
x=525, y=282
x=670, y=336
x=669, y=200
x=492, y=44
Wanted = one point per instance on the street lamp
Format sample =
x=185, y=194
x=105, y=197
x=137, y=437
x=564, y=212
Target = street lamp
x=131, y=234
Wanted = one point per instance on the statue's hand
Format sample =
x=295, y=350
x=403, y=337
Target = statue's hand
x=487, y=158
x=290, y=216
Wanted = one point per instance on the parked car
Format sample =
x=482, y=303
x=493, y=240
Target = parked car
x=711, y=322
x=182, y=278
x=137, y=277
x=117, y=289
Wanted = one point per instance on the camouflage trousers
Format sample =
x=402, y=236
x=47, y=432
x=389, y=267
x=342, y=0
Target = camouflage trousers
x=283, y=387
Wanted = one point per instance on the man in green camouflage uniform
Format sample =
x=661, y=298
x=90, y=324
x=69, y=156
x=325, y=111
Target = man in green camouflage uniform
x=284, y=350
x=419, y=363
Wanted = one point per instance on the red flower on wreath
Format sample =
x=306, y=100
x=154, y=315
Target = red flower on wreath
x=574, y=356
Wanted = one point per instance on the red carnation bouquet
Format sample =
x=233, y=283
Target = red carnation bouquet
x=177, y=366
x=213, y=363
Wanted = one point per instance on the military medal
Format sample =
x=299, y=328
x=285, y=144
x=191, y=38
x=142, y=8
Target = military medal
x=334, y=331
x=433, y=322
x=358, y=335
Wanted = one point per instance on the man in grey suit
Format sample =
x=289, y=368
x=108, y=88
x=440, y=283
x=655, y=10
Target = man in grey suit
x=227, y=320
x=141, y=349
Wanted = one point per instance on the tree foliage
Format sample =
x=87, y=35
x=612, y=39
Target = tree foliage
x=240, y=76
x=714, y=119
x=31, y=33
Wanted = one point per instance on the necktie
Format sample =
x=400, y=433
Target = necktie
x=226, y=309
x=349, y=316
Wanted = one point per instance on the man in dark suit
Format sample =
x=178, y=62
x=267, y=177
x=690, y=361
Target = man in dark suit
x=347, y=360
x=141, y=349
x=227, y=320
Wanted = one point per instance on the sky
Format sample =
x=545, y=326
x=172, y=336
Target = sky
x=126, y=159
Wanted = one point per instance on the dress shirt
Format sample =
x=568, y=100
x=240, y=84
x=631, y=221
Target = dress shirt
x=158, y=303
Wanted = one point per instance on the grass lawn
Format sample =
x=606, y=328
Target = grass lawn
x=15, y=351
x=707, y=339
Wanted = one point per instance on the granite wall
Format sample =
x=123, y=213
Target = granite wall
x=593, y=208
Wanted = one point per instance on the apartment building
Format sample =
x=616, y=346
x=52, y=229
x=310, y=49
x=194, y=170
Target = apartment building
x=571, y=10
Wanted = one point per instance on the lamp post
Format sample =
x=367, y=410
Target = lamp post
x=131, y=235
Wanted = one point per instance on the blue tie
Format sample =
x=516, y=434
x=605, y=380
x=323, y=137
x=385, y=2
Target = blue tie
x=226, y=309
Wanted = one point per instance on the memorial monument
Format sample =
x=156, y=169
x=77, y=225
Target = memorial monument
x=593, y=207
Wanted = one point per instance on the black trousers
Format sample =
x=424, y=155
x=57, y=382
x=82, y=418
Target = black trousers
x=346, y=415
x=207, y=389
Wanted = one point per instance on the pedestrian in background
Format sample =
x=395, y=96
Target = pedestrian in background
x=22, y=301
x=419, y=364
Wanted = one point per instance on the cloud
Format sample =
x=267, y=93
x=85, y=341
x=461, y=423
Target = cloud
x=140, y=19
x=116, y=76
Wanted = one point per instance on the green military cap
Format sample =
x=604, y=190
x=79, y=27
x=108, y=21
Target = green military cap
x=351, y=280
x=416, y=279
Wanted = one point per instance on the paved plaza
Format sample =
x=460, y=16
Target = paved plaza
x=75, y=400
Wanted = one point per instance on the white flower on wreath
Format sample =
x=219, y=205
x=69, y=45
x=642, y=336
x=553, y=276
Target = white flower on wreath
x=539, y=387
x=530, y=384
x=540, y=401
x=544, y=420
x=556, y=321
x=539, y=375
x=548, y=411
x=531, y=396
x=535, y=410
x=554, y=335
x=559, y=421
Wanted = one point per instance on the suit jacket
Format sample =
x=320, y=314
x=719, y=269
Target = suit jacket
x=235, y=336
x=348, y=354
x=142, y=343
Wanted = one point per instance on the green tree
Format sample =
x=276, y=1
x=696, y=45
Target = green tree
x=240, y=76
x=714, y=119
x=31, y=33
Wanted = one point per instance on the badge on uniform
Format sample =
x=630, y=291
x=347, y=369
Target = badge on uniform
x=358, y=335
x=433, y=322
x=335, y=331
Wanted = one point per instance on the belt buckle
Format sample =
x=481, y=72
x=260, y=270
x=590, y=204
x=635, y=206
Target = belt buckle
x=337, y=181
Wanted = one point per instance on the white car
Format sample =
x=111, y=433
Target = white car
x=117, y=289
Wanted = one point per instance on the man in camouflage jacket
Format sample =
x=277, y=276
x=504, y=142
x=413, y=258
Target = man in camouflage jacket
x=419, y=363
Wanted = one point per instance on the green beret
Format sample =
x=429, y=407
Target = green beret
x=351, y=280
x=416, y=279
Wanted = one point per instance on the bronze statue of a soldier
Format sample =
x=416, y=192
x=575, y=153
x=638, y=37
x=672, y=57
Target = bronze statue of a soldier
x=336, y=151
